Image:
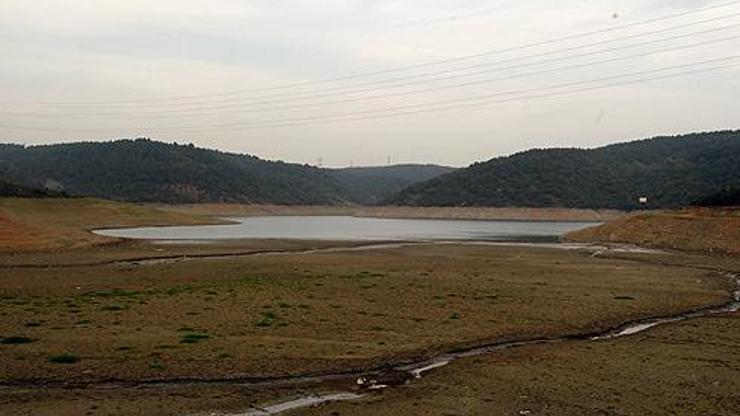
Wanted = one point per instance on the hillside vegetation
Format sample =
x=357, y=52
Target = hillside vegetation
x=729, y=197
x=149, y=171
x=371, y=185
x=670, y=171
x=11, y=189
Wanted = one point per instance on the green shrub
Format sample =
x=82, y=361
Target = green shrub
x=15, y=340
x=194, y=337
x=64, y=359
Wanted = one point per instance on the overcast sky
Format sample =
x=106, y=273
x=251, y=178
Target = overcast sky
x=356, y=81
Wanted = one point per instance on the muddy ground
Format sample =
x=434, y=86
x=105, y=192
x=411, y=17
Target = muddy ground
x=282, y=314
x=91, y=326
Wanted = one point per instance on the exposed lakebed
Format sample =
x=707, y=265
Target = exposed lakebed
x=356, y=228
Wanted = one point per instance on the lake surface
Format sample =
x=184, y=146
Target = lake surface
x=354, y=228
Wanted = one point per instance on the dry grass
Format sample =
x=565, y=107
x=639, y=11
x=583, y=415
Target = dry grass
x=271, y=315
x=702, y=230
x=63, y=223
x=278, y=314
x=690, y=368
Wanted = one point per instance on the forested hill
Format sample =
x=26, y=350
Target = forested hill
x=10, y=189
x=150, y=171
x=728, y=197
x=371, y=185
x=670, y=171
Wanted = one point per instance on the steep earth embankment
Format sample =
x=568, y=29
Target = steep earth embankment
x=714, y=230
x=33, y=224
x=447, y=213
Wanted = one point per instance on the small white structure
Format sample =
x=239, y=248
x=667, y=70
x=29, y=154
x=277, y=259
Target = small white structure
x=643, y=200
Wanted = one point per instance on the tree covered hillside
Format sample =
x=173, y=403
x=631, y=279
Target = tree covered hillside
x=372, y=185
x=670, y=171
x=10, y=189
x=149, y=171
x=728, y=197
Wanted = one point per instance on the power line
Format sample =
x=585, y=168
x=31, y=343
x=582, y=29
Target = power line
x=474, y=98
x=407, y=67
x=414, y=79
x=488, y=103
x=240, y=110
x=440, y=105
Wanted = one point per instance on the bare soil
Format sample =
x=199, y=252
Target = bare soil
x=83, y=309
x=695, y=229
x=459, y=213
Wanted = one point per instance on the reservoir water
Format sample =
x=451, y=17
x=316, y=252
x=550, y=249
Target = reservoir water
x=357, y=229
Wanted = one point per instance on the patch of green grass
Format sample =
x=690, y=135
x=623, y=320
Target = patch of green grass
x=15, y=340
x=115, y=293
x=156, y=365
x=64, y=359
x=268, y=319
x=194, y=337
x=362, y=275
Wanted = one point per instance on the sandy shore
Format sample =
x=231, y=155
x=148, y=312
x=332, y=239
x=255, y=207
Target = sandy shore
x=461, y=213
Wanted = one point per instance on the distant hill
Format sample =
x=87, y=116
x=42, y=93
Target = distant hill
x=728, y=197
x=670, y=171
x=150, y=171
x=10, y=189
x=372, y=185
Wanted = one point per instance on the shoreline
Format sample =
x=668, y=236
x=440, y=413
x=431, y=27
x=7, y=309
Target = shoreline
x=400, y=212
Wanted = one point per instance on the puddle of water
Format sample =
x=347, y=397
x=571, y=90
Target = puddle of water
x=417, y=369
x=637, y=327
x=417, y=372
x=302, y=402
x=596, y=248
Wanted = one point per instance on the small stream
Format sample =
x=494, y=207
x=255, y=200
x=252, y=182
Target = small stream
x=406, y=373
x=359, y=384
x=307, y=401
x=594, y=249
